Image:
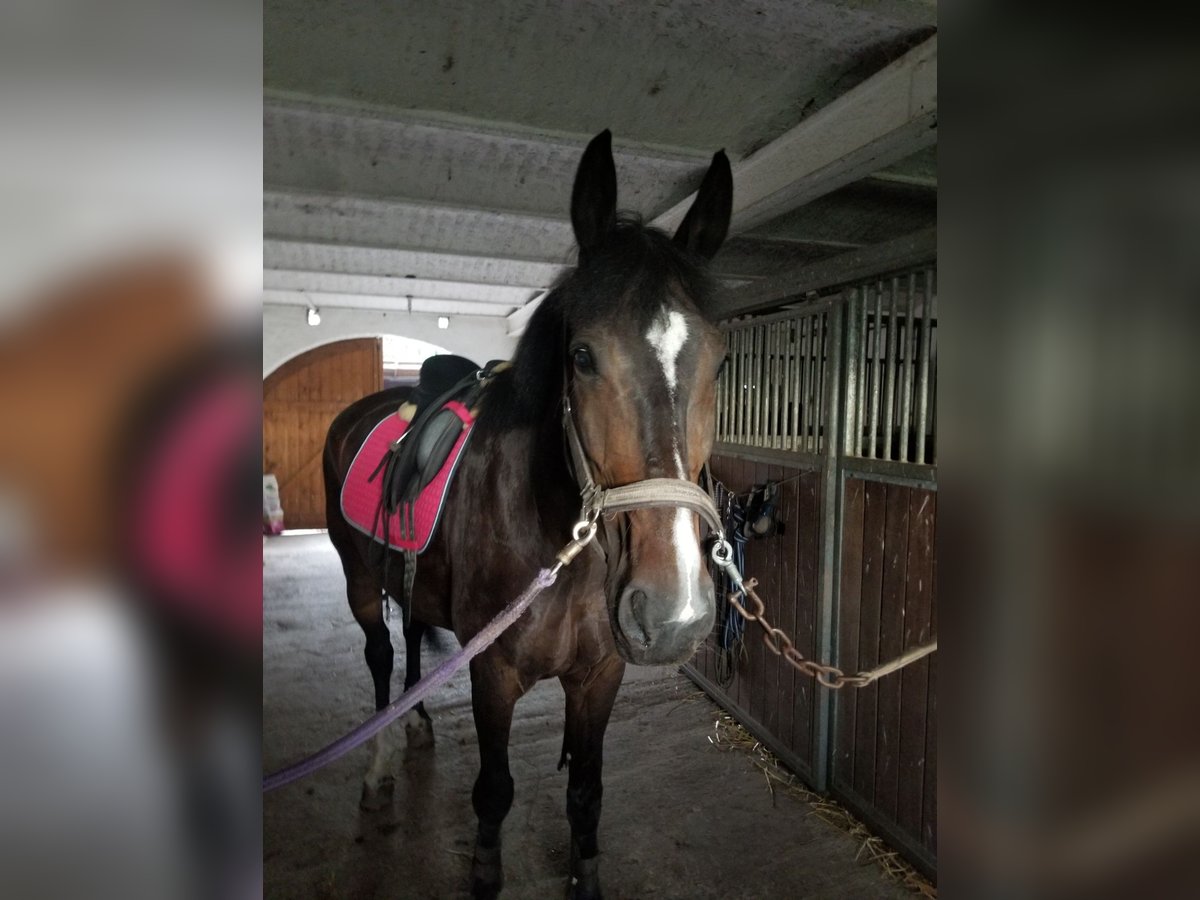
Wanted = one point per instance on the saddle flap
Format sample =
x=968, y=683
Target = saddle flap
x=434, y=444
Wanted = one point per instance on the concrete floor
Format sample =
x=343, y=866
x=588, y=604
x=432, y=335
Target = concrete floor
x=682, y=819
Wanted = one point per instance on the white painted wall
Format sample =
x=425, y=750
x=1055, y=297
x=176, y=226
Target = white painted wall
x=286, y=333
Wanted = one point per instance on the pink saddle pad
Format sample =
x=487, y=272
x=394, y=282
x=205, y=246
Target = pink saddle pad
x=361, y=497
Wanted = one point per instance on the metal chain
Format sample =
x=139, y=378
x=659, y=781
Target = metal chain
x=780, y=644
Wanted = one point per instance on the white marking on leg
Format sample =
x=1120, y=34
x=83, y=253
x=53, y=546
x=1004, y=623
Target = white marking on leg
x=417, y=730
x=378, y=770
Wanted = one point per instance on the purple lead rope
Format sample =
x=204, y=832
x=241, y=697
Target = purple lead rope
x=419, y=691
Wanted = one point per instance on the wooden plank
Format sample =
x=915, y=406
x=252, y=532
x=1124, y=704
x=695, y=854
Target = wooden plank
x=914, y=680
x=891, y=637
x=300, y=400
x=883, y=119
x=776, y=604
x=929, y=812
x=874, y=496
x=848, y=626
x=808, y=522
x=725, y=469
x=756, y=567
x=788, y=503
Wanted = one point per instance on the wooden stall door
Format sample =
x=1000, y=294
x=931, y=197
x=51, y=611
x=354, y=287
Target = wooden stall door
x=885, y=743
x=300, y=400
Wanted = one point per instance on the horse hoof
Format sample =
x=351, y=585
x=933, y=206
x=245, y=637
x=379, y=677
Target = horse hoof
x=584, y=883
x=484, y=890
x=377, y=797
x=487, y=874
x=577, y=890
x=418, y=731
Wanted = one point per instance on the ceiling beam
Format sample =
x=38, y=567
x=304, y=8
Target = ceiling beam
x=886, y=118
x=332, y=147
x=383, y=286
x=909, y=250
x=415, y=225
x=415, y=304
x=317, y=256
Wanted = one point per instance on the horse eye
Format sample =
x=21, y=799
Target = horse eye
x=582, y=357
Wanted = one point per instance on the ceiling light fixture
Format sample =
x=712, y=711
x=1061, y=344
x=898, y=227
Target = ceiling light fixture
x=314, y=316
x=443, y=322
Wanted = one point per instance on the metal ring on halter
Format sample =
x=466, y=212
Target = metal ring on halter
x=584, y=531
x=722, y=555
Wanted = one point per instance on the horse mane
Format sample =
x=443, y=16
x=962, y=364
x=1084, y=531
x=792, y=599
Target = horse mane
x=625, y=278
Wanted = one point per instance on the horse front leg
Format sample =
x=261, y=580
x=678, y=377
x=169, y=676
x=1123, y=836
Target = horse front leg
x=495, y=689
x=590, y=697
x=362, y=589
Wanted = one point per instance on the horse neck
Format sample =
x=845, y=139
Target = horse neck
x=531, y=478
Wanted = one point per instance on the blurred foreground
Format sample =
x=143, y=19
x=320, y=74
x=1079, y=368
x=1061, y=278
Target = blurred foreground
x=130, y=394
x=1070, y=476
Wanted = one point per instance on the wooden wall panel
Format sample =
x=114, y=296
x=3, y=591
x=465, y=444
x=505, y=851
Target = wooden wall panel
x=884, y=753
x=884, y=743
x=848, y=627
x=300, y=400
x=808, y=555
x=767, y=694
x=914, y=681
x=874, y=497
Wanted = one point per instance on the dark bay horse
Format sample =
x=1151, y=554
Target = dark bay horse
x=622, y=338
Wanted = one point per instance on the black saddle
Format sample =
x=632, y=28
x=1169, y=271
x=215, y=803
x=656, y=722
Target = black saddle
x=415, y=459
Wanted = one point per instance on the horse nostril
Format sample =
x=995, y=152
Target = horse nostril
x=633, y=615
x=637, y=605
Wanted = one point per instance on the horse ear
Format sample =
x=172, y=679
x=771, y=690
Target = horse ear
x=704, y=227
x=594, y=197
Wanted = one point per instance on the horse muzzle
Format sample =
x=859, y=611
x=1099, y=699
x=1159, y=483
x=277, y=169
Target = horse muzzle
x=655, y=627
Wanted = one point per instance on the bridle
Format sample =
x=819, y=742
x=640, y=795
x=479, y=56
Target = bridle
x=647, y=493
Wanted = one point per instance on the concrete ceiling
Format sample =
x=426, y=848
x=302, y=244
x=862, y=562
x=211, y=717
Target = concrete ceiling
x=419, y=156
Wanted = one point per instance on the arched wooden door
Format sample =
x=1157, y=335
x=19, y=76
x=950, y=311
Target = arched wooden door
x=300, y=400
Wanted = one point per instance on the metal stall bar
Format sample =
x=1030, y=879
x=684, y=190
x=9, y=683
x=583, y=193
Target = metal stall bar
x=785, y=423
x=721, y=394
x=876, y=375
x=757, y=385
x=739, y=402
x=821, y=378
x=773, y=399
x=764, y=426
x=923, y=381
x=860, y=406
x=831, y=503
x=806, y=382
x=813, y=373
x=889, y=391
x=850, y=300
x=909, y=370
x=798, y=386
x=730, y=378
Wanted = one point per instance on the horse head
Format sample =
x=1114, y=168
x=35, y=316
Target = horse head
x=640, y=368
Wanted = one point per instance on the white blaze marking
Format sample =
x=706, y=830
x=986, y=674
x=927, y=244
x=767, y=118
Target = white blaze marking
x=667, y=335
x=687, y=561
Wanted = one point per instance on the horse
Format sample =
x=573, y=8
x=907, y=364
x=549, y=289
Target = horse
x=621, y=343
